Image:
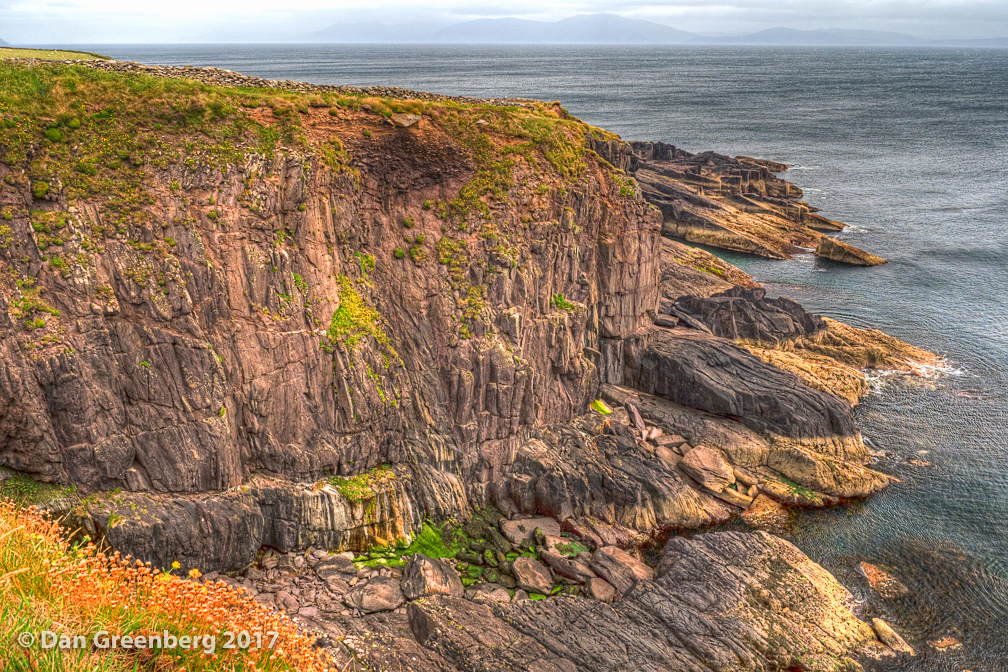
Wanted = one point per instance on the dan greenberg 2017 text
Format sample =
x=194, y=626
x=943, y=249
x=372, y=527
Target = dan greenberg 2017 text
x=160, y=641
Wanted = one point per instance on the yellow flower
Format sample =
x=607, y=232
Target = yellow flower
x=175, y=565
x=194, y=573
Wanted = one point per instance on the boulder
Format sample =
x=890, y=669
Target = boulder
x=287, y=602
x=423, y=576
x=620, y=568
x=600, y=589
x=747, y=314
x=522, y=530
x=404, y=120
x=574, y=570
x=335, y=566
x=381, y=593
x=708, y=468
x=532, y=575
x=890, y=638
x=945, y=644
x=834, y=250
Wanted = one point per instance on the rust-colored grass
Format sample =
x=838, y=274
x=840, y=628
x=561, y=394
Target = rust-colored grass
x=48, y=584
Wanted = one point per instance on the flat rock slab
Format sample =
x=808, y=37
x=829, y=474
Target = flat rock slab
x=714, y=375
x=620, y=568
x=381, y=593
x=890, y=637
x=834, y=250
x=522, y=530
x=424, y=576
x=532, y=575
x=708, y=468
x=727, y=601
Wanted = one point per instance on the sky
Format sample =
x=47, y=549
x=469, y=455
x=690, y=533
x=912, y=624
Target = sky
x=145, y=21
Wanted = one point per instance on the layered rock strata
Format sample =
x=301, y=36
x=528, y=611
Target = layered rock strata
x=736, y=204
x=322, y=320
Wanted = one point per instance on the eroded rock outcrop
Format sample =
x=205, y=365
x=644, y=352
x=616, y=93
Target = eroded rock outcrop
x=837, y=250
x=329, y=324
x=736, y=204
x=726, y=601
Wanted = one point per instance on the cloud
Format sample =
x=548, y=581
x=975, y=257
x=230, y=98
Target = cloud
x=80, y=21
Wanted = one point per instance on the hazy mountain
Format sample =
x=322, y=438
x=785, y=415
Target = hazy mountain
x=376, y=33
x=3, y=44
x=582, y=29
x=610, y=29
x=822, y=37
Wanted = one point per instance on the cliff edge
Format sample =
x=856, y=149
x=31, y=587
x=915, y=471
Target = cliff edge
x=308, y=318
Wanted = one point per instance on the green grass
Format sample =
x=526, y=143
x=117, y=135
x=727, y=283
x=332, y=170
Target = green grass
x=354, y=319
x=50, y=54
x=433, y=541
x=361, y=487
x=797, y=489
x=560, y=302
x=27, y=491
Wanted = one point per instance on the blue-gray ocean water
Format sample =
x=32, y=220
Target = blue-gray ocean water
x=910, y=147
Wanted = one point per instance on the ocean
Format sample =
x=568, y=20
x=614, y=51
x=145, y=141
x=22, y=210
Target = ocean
x=909, y=147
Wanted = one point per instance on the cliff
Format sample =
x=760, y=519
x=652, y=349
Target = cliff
x=306, y=318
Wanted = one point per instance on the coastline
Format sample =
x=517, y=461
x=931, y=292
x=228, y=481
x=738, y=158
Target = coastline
x=833, y=450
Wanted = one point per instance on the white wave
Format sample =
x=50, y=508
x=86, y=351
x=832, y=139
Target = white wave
x=877, y=378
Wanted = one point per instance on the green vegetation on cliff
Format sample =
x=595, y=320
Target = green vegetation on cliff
x=354, y=319
x=361, y=487
x=50, y=54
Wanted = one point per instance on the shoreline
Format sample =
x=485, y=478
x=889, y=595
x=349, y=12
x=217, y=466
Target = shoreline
x=698, y=423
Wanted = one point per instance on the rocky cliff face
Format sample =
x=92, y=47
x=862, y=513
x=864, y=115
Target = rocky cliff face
x=202, y=315
x=222, y=316
x=304, y=320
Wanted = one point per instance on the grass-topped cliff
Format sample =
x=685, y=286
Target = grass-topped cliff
x=247, y=324
x=261, y=282
x=48, y=54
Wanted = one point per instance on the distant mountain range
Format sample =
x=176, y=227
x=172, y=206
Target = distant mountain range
x=3, y=44
x=609, y=29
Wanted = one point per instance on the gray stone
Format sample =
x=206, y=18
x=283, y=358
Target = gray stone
x=600, y=589
x=532, y=575
x=424, y=576
x=379, y=594
x=287, y=602
x=708, y=468
x=620, y=568
x=522, y=530
x=571, y=569
x=890, y=637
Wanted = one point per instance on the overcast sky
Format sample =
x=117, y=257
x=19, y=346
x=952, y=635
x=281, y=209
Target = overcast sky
x=132, y=21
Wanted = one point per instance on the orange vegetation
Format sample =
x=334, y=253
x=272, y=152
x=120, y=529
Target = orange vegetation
x=47, y=584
